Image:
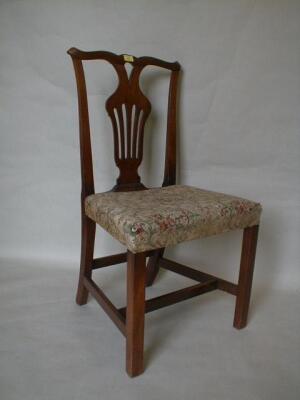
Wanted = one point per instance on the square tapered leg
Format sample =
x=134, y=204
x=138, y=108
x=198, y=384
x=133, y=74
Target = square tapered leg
x=135, y=313
x=245, y=276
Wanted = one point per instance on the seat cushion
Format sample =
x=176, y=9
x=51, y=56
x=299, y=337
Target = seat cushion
x=160, y=217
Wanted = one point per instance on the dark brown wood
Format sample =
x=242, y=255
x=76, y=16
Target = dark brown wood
x=153, y=266
x=170, y=157
x=180, y=295
x=177, y=296
x=106, y=304
x=199, y=276
x=87, y=177
x=114, y=259
x=128, y=109
x=109, y=260
x=135, y=313
x=113, y=58
x=88, y=230
x=245, y=276
x=88, y=227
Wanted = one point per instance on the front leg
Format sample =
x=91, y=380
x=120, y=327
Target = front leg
x=135, y=313
x=245, y=277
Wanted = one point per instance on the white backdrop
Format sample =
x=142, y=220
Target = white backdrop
x=239, y=119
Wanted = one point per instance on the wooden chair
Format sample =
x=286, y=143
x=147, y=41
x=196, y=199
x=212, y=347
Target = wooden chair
x=146, y=220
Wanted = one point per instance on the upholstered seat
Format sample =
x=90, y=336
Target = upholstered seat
x=155, y=218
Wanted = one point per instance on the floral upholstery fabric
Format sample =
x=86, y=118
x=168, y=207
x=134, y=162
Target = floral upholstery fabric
x=151, y=219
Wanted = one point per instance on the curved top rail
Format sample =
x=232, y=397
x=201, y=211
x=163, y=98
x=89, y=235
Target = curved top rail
x=122, y=58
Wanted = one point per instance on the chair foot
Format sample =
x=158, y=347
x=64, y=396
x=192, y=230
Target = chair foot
x=88, y=231
x=135, y=313
x=153, y=267
x=245, y=276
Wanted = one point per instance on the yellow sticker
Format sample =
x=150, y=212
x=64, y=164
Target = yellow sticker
x=128, y=58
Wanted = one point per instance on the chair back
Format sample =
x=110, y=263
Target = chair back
x=128, y=109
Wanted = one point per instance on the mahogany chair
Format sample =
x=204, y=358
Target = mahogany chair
x=146, y=220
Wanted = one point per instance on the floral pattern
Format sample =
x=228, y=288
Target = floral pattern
x=160, y=217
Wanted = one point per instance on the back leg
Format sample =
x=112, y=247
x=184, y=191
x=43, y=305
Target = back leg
x=88, y=230
x=153, y=266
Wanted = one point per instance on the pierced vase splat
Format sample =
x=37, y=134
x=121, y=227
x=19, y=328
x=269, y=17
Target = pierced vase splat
x=128, y=109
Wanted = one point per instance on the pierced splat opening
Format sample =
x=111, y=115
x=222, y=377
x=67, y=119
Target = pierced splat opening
x=129, y=141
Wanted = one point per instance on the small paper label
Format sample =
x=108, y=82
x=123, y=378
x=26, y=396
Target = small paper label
x=128, y=58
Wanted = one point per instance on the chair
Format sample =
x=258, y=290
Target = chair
x=146, y=220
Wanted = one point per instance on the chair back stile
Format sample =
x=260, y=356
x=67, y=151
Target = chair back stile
x=128, y=109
